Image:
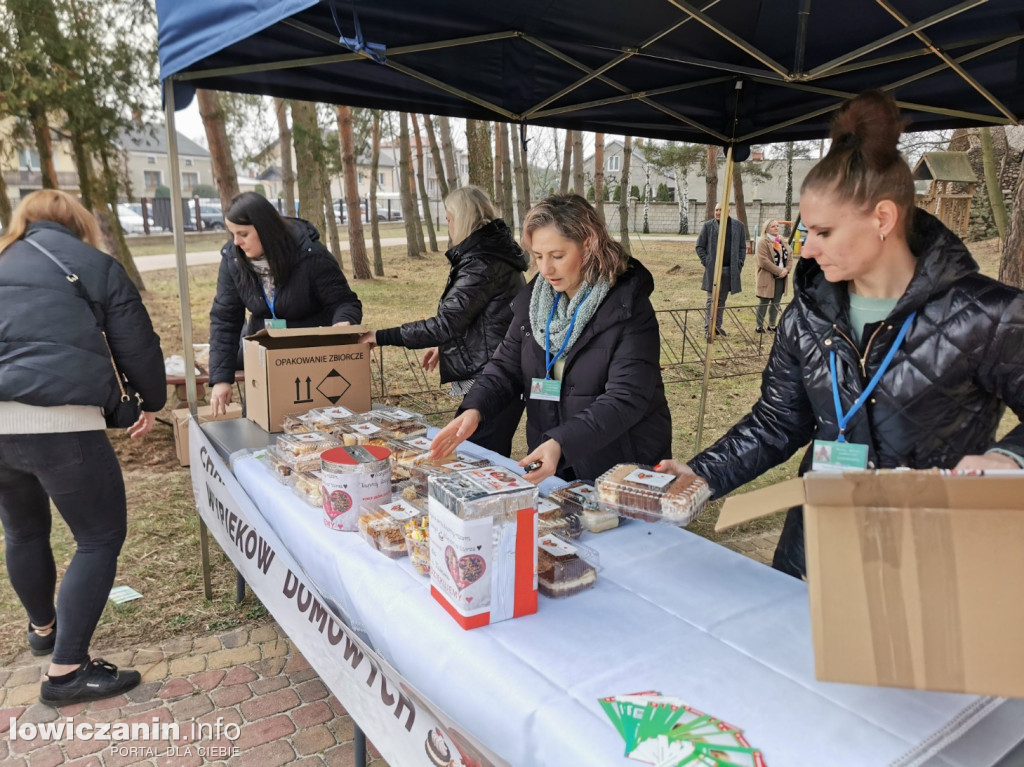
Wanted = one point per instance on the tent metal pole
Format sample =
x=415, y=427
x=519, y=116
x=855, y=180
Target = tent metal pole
x=735, y=39
x=453, y=91
x=803, y=17
x=178, y=227
x=881, y=42
x=716, y=287
x=913, y=54
x=683, y=119
x=631, y=96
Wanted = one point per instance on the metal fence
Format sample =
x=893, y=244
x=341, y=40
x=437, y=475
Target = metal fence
x=741, y=351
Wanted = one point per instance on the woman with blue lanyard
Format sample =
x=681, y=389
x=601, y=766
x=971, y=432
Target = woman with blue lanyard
x=895, y=352
x=583, y=349
x=280, y=271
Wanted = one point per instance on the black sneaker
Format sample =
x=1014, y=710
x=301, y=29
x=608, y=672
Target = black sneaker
x=96, y=679
x=722, y=332
x=759, y=330
x=42, y=644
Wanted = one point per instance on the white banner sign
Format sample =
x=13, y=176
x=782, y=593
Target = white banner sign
x=395, y=717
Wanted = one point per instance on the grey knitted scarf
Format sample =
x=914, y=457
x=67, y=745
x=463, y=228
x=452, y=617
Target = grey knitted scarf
x=588, y=298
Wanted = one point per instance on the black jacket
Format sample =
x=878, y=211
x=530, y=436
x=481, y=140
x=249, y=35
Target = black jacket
x=51, y=349
x=613, y=408
x=316, y=294
x=942, y=397
x=475, y=309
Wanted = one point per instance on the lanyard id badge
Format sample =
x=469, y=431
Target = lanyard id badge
x=837, y=456
x=275, y=324
x=546, y=389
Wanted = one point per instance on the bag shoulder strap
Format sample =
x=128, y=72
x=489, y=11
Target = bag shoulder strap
x=72, y=278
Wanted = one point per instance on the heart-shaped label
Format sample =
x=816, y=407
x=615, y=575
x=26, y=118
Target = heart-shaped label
x=464, y=570
x=336, y=503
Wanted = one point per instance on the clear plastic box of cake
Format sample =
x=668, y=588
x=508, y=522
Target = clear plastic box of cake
x=417, y=543
x=564, y=568
x=642, y=493
x=581, y=498
x=383, y=525
x=297, y=445
x=553, y=519
x=307, y=486
x=359, y=430
x=304, y=423
x=281, y=468
x=405, y=453
x=422, y=470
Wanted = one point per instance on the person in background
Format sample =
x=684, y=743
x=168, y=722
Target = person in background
x=733, y=256
x=585, y=334
x=894, y=343
x=475, y=309
x=772, y=257
x=56, y=380
x=280, y=271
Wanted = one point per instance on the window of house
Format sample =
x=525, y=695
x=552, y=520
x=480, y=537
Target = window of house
x=614, y=163
x=150, y=160
x=28, y=159
x=189, y=180
x=152, y=178
x=380, y=179
x=188, y=162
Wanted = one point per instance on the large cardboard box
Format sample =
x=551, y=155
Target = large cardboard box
x=204, y=414
x=293, y=370
x=916, y=578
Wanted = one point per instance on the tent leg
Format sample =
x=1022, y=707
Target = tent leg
x=204, y=547
x=716, y=289
x=359, y=748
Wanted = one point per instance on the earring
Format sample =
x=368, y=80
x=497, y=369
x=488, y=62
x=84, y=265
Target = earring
x=881, y=237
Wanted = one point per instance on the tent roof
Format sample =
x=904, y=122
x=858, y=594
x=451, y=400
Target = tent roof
x=738, y=71
x=945, y=166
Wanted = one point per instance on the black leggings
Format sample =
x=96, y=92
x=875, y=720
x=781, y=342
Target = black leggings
x=80, y=472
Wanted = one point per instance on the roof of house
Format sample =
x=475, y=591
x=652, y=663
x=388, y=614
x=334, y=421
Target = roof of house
x=945, y=166
x=153, y=140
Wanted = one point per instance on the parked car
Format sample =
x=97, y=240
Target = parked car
x=212, y=217
x=341, y=212
x=136, y=207
x=131, y=222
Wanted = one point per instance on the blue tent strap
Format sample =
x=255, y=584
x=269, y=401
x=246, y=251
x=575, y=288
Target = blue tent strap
x=358, y=44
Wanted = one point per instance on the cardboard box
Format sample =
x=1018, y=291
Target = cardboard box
x=204, y=414
x=916, y=578
x=292, y=370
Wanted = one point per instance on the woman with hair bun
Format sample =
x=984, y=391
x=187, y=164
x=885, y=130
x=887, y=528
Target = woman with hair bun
x=894, y=341
x=583, y=348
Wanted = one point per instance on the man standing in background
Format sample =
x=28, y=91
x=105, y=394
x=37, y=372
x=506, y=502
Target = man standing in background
x=732, y=263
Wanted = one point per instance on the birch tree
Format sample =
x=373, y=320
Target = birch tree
x=285, y=151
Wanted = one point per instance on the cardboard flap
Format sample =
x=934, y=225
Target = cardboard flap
x=345, y=333
x=758, y=503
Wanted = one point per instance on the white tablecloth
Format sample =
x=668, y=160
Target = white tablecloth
x=671, y=611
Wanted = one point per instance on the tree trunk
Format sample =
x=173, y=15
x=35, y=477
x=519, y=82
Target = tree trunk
x=424, y=199
x=220, y=150
x=356, y=241
x=521, y=173
x=481, y=162
x=563, y=180
x=5, y=201
x=577, y=163
x=627, y=154
x=83, y=165
x=646, y=228
x=1011, y=267
x=405, y=188
x=508, y=206
x=681, y=202
x=332, y=222
x=737, y=190
x=378, y=258
x=599, y=175
x=309, y=169
x=500, y=150
x=435, y=153
x=790, y=152
x=710, y=182
x=44, y=145
x=110, y=226
x=992, y=183
x=285, y=150
x=454, y=178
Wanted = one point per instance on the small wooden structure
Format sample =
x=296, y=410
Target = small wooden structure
x=952, y=186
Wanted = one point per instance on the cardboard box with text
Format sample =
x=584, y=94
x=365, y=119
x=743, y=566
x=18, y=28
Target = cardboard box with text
x=915, y=578
x=292, y=370
x=204, y=414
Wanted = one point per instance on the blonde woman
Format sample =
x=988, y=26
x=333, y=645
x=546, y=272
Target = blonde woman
x=772, y=258
x=584, y=348
x=475, y=308
x=56, y=380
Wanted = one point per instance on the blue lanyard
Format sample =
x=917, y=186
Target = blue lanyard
x=270, y=301
x=549, y=361
x=844, y=419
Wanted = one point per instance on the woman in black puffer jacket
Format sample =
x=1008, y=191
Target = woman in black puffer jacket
x=872, y=264
x=585, y=330
x=474, y=312
x=56, y=381
x=277, y=269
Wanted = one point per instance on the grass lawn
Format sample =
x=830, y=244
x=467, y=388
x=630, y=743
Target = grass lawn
x=161, y=555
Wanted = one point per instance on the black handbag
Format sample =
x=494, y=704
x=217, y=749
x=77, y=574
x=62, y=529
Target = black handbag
x=128, y=407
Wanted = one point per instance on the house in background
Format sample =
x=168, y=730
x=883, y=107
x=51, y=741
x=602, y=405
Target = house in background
x=147, y=164
x=266, y=169
x=19, y=162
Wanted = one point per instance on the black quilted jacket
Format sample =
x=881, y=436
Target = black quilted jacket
x=613, y=406
x=942, y=398
x=476, y=305
x=316, y=294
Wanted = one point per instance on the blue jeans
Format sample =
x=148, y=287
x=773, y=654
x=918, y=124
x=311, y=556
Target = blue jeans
x=80, y=472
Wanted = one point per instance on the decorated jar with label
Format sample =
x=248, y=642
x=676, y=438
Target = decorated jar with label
x=353, y=476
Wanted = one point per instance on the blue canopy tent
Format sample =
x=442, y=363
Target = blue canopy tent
x=726, y=72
